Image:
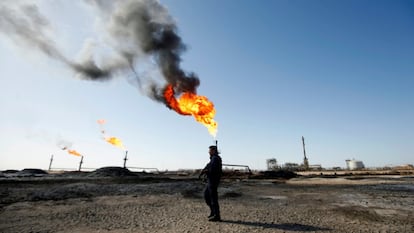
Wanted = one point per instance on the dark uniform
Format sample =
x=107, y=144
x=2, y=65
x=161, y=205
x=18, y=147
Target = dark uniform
x=213, y=170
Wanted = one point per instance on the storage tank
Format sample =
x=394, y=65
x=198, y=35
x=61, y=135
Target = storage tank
x=354, y=164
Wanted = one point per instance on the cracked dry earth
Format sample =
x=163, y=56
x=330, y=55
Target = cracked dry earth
x=298, y=205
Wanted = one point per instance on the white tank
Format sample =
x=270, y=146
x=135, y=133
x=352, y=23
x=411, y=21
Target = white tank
x=354, y=164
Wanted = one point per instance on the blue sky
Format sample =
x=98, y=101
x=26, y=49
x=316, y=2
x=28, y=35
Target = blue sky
x=338, y=73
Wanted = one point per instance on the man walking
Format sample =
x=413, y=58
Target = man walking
x=213, y=170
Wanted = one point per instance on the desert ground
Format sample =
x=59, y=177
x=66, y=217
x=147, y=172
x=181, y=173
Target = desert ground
x=117, y=200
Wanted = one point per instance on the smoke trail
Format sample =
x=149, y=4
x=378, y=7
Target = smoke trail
x=64, y=144
x=145, y=27
x=27, y=25
x=141, y=32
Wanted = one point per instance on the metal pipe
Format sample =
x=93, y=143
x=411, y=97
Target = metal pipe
x=303, y=144
x=80, y=163
x=125, y=159
x=234, y=165
x=50, y=164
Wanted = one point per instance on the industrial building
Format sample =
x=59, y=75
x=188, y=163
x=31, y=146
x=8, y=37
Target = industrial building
x=352, y=164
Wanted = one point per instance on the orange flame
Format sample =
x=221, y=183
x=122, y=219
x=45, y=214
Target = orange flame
x=112, y=140
x=74, y=152
x=115, y=141
x=191, y=104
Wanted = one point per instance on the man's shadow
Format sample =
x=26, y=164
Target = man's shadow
x=282, y=226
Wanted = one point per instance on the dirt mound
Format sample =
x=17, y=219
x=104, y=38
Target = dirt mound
x=10, y=171
x=111, y=172
x=31, y=172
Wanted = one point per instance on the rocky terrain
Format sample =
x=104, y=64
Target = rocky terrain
x=117, y=200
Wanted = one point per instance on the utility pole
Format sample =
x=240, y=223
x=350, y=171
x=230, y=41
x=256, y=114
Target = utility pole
x=305, y=160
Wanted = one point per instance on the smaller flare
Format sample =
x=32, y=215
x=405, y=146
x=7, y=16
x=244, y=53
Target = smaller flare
x=115, y=141
x=101, y=121
x=74, y=152
x=112, y=140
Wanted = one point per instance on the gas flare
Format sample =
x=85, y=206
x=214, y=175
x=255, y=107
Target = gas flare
x=112, y=140
x=101, y=121
x=66, y=145
x=115, y=141
x=74, y=152
x=192, y=104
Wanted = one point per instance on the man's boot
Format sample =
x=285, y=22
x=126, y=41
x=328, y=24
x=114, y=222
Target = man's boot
x=215, y=218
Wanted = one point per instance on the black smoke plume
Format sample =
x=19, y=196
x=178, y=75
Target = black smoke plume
x=139, y=31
